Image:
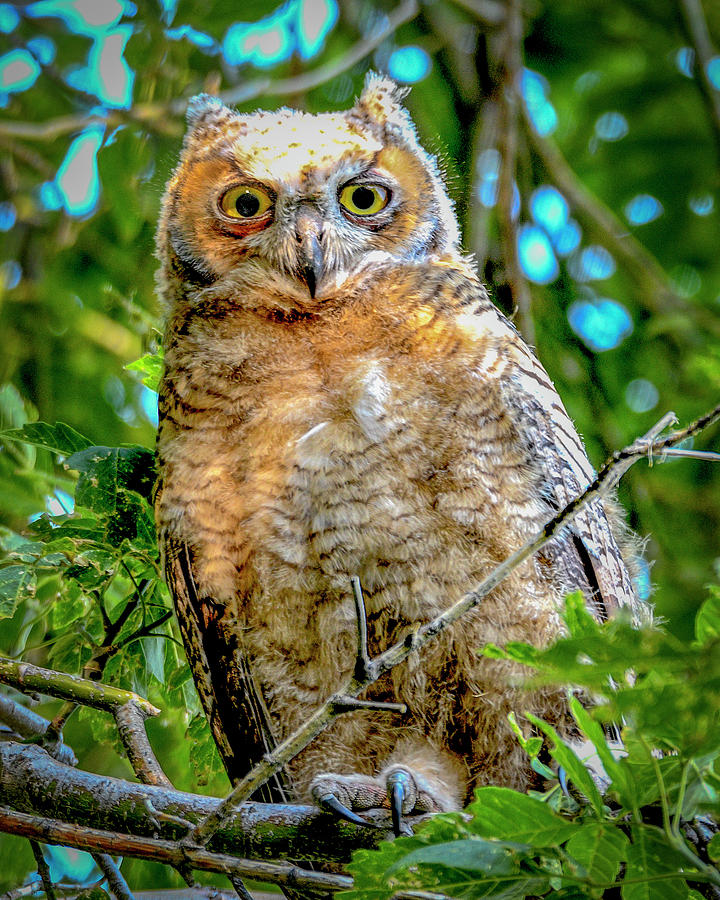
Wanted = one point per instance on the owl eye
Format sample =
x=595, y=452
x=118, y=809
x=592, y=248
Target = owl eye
x=245, y=202
x=364, y=199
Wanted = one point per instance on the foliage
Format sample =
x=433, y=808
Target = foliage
x=580, y=844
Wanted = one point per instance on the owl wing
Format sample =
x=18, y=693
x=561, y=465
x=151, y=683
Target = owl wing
x=585, y=555
x=232, y=701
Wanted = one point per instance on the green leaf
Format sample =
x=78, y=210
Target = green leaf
x=574, y=767
x=17, y=583
x=713, y=848
x=599, y=849
x=59, y=438
x=150, y=366
x=471, y=854
x=648, y=856
x=579, y=620
x=503, y=814
x=107, y=470
x=594, y=732
x=707, y=622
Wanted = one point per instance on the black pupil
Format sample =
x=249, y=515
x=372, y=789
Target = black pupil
x=247, y=204
x=363, y=198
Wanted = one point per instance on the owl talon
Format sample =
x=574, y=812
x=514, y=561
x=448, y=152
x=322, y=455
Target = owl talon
x=331, y=803
x=397, y=784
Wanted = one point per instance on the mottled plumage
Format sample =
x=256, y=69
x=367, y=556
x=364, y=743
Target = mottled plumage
x=341, y=398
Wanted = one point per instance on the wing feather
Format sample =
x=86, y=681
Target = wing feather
x=232, y=700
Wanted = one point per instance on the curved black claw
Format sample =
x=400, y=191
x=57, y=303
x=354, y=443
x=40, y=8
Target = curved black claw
x=331, y=803
x=397, y=782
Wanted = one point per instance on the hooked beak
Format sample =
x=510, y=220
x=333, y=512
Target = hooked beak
x=308, y=230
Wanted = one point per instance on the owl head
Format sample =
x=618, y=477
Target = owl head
x=300, y=202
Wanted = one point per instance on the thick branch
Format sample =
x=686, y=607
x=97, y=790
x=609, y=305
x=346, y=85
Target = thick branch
x=171, y=853
x=34, y=783
x=606, y=479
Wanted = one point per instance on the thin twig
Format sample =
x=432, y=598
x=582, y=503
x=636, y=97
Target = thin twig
x=347, y=704
x=606, y=480
x=362, y=659
x=130, y=721
x=43, y=870
x=113, y=875
x=30, y=725
x=169, y=852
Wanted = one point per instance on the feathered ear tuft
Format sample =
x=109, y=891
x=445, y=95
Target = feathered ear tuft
x=205, y=114
x=380, y=105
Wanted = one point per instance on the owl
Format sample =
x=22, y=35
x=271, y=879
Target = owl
x=341, y=398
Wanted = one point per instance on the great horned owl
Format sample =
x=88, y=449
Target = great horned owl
x=340, y=399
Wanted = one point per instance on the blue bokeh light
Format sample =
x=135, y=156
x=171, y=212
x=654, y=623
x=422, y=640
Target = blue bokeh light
x=702, y=204
x=567, y=239
x=643, y=208
x=49, y=196
x=549, y=208
x=198, y=38
x=149, y=404
x=43, y=49
x=18, y=71
x=488, y=172
x=8, y=216
x=82, y=16
x=534, y=89
x=601, y=324
x=536, y=255
x=315, y=20
x=643, y=585
x=9, y=18
x=409, y=64
x=77, y=178
x=298, y=26
x=594, y=263
x=685, y=61
x=641, y=395
x=712, y=70
x=107, y=74
x=10, y=274
x=611, y=126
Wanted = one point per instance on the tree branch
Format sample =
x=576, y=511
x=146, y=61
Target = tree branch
x=29, y=724
x=171, y=853
x=256, y=830
x=606, y=479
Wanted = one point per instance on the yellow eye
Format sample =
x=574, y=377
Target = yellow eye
x=364, y=199
x=245, y=202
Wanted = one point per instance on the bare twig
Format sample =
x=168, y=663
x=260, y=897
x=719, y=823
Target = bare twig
x=697, y=29
x=240, y=888
x=169, y=852
x=29, y=724
x=43, y=870
x=362, y=658
x=130, y=721
x=115, y=880
x=606, y=480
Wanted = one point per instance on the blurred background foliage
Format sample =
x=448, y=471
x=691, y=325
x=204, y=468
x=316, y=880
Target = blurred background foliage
x=581, y=143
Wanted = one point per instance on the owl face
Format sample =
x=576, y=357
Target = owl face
x=302, y=201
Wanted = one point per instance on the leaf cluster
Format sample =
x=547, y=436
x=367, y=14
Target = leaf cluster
x=640, y=831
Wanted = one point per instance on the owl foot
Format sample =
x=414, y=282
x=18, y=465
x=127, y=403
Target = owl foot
x=397, y=787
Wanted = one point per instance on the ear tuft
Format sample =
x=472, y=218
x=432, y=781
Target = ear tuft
x=381, y=103
x=202, y=106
